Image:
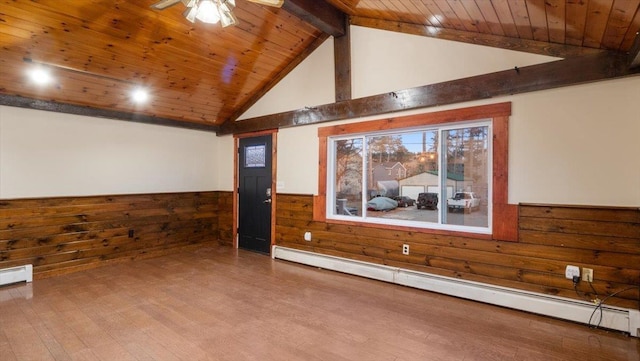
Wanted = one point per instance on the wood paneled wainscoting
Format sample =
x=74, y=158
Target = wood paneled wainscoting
x=550, y=238
x=61, y=235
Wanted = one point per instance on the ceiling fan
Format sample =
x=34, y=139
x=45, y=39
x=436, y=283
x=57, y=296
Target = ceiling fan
x=211, y=11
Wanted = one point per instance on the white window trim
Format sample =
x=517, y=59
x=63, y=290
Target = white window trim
x=440, y=128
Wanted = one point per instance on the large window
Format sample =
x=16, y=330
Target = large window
x=437, y=172
x=436, y=176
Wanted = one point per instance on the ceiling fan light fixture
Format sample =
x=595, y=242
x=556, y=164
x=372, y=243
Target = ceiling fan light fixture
x=226, y=5
x=190, y=13
x=226, y=16
x=208, y=12
x=163, y=4
x=211, y=11
x=227, y=19
x=275, y=3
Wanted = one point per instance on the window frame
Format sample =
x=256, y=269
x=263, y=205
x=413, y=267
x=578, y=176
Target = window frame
x=503, y=215
x=369, y=217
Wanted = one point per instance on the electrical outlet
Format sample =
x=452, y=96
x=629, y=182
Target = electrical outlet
x=572, y=271
x=587, y=274
x=307, y=236
x=405, y=249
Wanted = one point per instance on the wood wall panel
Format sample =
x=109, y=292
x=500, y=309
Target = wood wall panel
x=225, y=218
x=61, y=235
x=551, y=237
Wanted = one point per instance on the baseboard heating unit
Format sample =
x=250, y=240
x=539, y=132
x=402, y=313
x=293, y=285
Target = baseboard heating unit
x=16, y=274
x=615, y=318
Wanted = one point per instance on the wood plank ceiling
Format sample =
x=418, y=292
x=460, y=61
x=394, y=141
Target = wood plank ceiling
x=102, y=49
x=201, y=74
x=600, y=24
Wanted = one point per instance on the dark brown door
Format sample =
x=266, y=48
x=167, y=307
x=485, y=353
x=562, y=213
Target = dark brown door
x=254, y=194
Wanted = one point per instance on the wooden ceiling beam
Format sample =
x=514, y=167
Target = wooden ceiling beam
x=22, y=102
x=556, y=74
x=503, y=42
x=342, y=59
x=319, y=14
x=634, y=53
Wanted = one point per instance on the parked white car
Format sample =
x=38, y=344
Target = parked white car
x=466, y=201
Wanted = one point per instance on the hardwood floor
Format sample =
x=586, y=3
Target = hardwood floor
x=222, y=304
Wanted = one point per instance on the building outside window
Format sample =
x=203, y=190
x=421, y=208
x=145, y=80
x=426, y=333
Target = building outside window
x=450, y=162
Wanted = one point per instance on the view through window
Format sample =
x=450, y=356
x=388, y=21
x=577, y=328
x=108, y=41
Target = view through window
x=436, y=177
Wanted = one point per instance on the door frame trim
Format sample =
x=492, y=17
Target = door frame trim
x=236, y=185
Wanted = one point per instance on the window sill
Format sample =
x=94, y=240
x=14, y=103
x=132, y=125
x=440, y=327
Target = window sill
x=424, y=230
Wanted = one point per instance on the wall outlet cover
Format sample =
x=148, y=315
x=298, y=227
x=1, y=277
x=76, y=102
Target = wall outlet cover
x=405, y=249
x=572, y=271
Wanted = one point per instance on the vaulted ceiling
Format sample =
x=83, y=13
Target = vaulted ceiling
x=600, y=24
x=204, y=76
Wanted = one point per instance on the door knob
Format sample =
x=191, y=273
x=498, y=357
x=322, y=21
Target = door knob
x=267, y=200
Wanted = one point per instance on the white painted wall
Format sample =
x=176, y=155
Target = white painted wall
x=298, y=160
x=574, y=145
x=577, y=145
x=224, y=163
x=311, y=83
x=385, y=61
x=53, y=154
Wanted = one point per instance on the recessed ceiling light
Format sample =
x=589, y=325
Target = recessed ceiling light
x=40, y=75
x=140, y=95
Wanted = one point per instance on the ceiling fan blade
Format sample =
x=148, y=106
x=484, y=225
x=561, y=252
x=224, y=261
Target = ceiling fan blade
x=276, y=3
x=163, y=4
